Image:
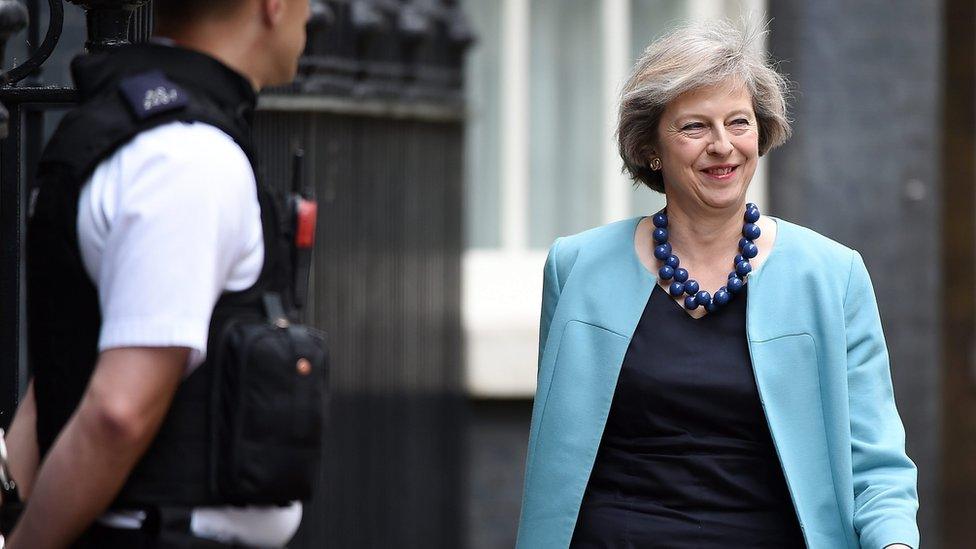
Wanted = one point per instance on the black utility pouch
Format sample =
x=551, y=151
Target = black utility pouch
x=9, y=515
x=268, y=411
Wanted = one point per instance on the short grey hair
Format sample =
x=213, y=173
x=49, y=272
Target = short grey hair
x=689, y=58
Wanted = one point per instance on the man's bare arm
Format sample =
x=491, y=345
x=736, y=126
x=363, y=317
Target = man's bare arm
x=119, y=415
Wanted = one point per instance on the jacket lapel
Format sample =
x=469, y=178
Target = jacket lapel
x=785, y=360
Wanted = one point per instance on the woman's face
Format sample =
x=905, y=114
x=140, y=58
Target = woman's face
x=708, y=142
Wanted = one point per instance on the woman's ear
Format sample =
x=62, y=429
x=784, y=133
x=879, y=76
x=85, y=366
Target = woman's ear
x=650, y=155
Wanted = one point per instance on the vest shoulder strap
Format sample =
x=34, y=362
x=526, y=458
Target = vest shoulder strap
x=97, y=128
x=151, y=93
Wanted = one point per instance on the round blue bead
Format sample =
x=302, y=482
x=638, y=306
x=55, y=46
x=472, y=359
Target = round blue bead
x=666, y=273
x=742, y=242
x=676, y=289
x=660, y=220
x=751, y=206
x=691, y=303
x=660, y=235
x=721, y=296
x=681, y=275
x=732, y=274
x=751, y=231
x=737, y=259
x=750, y=251
x=752, y=215
x=662, y=251
x=743, y=268
x=735, y=284
x=712, y=306
x=703, y=297
x=691, y=287
x=672, y=261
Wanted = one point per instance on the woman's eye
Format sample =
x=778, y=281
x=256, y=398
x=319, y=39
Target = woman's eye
x=692, y=127
x=740, y=122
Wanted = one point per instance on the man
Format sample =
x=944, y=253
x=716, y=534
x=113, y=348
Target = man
x=147, y=214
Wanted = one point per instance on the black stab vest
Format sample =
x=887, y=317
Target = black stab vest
x=124, y=93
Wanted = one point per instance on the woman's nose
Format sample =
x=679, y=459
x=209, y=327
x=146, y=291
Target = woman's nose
x=721, y=145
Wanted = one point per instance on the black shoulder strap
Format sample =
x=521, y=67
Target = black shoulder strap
x=97, y=128
x=151, y=94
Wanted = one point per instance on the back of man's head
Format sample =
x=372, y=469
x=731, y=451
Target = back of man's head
x=261, y=39
x=171, y=15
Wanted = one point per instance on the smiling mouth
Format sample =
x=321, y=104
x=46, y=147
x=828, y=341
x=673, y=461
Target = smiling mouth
x=720, y=172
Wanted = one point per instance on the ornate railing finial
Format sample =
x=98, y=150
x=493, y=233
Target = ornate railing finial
x=321, y=16
x=13, y=19
x=108, y=22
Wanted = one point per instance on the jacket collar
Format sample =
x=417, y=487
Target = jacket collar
x=95, y=73
x=621, y=292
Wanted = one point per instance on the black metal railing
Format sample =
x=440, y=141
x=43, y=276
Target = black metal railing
x=24, y=101
x=378, y=107
x=403, y=49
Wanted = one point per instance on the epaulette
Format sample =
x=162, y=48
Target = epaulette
x=151, y=93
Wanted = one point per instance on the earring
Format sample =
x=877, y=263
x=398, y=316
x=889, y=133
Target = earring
x=655, y=164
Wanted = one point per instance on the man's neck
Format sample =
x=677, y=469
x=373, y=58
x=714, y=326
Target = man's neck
x=233, y=55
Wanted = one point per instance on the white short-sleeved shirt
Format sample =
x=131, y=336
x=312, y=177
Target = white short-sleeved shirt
x=165, y=225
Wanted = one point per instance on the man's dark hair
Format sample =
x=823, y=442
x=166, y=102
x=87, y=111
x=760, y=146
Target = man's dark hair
x=175, y=13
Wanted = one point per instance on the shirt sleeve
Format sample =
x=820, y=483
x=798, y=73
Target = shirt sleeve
x=885, y=493
x=183, y=203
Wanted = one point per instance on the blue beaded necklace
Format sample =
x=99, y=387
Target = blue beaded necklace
x=684, y=285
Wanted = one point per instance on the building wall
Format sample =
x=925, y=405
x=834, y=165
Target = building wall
x=496, y=448
x=385, y=287
x=958, y=200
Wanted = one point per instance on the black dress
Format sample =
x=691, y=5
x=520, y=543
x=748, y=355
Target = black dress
x=686, y=458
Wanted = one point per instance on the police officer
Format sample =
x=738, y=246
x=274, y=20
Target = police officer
x=149, y=215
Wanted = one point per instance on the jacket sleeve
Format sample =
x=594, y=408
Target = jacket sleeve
x=885, y=493
x=550, y=297
x=551, y=287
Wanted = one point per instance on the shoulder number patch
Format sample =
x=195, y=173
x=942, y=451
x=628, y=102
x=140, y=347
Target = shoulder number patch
x=151, y=93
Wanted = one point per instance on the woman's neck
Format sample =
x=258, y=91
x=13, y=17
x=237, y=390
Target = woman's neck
x=702, y=237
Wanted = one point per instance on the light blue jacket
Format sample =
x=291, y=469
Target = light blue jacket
x=820, y=363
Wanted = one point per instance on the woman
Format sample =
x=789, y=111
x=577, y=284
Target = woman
x=683, y=405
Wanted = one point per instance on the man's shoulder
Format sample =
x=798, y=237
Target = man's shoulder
x=192, y=163
x=186, y=141
x=196, y=152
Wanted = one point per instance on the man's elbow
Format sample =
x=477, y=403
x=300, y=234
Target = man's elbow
x=130, y=393
x=116, y=421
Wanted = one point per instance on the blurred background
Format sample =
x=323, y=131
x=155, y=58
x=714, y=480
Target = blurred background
x=451, y=141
